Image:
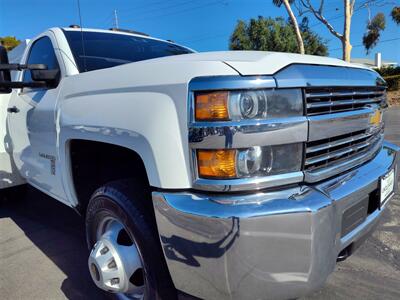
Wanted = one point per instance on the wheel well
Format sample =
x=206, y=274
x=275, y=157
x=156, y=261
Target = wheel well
x=93, y=164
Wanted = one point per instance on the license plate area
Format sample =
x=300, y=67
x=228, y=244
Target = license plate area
x=357, y=214
x=386, y=186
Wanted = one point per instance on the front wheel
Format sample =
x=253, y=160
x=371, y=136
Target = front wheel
x=126, y=258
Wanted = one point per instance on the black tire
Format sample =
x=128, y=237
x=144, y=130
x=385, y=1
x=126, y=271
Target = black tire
x=129, y=202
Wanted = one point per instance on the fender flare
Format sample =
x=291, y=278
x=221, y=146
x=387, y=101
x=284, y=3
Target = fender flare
x=118, y=137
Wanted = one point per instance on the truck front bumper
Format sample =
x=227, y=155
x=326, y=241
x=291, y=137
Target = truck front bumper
x=279, y=244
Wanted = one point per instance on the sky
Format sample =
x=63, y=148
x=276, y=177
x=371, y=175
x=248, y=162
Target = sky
x=204, y=25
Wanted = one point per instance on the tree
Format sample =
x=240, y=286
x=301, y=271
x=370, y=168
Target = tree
x=376, y=25
x=299, y=38
x=9, y=42
x=396, y=14
x=267, y=34
x=240, y=39
x=314, y=44
x=374, y=28
x=348, y=13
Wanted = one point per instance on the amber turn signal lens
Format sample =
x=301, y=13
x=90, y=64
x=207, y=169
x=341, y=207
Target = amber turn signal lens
x=211, y=106
x=217, y=163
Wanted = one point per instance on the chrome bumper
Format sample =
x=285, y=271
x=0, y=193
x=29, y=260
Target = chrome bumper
x=280, y=244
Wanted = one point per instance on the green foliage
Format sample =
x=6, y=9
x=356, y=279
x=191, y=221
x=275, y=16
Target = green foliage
x=374, y=28
x=388, y=71
x=240, y=39
x=391, y=75
x=267, y=34
x=9, y=42
x=393, y=82
x=396, y=14
x=313, y=43
x=378, y=22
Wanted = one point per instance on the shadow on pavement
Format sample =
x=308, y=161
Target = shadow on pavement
x=59, y=233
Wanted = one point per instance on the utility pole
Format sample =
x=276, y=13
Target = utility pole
x=115, y=19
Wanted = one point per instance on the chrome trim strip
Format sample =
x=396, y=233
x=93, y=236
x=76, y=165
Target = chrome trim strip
x=248, y=123
x=298, y=75
x=343, y=102
x=245, y=134
x=340, y=167
x=231, y=83
x=231, y=185
x=343, y=94
x=330, y=125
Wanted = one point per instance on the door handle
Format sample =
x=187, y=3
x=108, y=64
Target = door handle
x=13, y=109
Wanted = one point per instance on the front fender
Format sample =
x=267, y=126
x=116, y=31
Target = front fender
x=141, y=106
x=145, y=122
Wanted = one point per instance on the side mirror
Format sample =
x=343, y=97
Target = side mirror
x=6, y=85
x=5, y=75
x=51, y=77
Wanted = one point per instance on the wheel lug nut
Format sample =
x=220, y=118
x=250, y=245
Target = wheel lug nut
x=104, y=251
x=112, y=264
x=114, y=281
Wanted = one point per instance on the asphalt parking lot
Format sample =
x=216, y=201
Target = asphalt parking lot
x=43, y=252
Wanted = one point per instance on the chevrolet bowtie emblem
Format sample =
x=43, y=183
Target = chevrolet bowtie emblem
x=376, y=118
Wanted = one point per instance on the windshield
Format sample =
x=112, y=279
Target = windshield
x=106, y=50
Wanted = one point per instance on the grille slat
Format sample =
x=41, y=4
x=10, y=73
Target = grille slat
x=344, y=102
x=332, y=100
x=338, y=142
x=318, y=159
x=311, y=94
x=326, y=153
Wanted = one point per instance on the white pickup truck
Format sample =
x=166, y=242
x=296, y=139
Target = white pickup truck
x=221, y=175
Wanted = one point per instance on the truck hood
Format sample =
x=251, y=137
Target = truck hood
x=262, y=62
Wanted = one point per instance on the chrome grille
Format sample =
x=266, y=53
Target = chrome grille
x=323, y=154
x=337, y=99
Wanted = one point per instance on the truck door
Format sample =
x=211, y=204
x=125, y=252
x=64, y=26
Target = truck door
x=32, y=123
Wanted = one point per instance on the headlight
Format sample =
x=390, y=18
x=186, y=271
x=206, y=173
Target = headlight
x=248, y=104
x=250, y=162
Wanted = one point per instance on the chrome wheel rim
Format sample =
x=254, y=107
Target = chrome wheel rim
x=115, y=262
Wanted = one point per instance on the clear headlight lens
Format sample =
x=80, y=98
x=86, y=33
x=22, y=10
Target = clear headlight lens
x=248, y=104
x=250, y=162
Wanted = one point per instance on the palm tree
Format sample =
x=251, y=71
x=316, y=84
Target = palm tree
x=292, y=17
